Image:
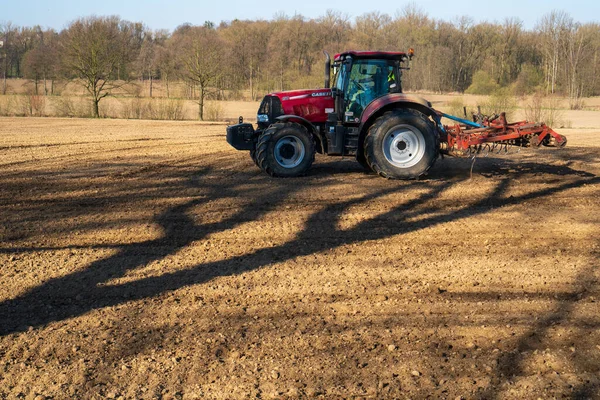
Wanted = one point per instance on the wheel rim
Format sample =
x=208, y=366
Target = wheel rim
x=289, y=151
x=404, y=146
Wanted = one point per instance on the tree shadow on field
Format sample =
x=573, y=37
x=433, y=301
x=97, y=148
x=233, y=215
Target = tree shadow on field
x=77, y=293
x=511, y=365
x=82, y=291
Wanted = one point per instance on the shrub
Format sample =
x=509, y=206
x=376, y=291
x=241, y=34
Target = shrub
x=456, y=106
x=213, y=111
x=170, y=109
x=64, y=107
x=134, y=108
x=529, y=80
x=576, y=103
x=500, y=101
x=234, y=94
x=24, y=107
x=78, y=107
x=482, y=83
x=37, y=105
x=7, y=105
x=107, y=110
x=545, y=109
x=155, y=108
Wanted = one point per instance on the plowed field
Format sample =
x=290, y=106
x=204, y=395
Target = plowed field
x=145, y=259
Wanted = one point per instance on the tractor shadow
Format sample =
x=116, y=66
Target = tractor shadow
x=492, y=166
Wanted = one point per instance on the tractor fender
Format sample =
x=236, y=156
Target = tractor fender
x=309, y=127
x=390, y=102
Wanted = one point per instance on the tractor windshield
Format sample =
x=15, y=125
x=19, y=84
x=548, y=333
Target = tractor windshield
x=369, y=79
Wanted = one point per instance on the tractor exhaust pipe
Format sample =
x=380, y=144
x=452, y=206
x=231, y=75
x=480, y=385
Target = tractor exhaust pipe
x=327, y=69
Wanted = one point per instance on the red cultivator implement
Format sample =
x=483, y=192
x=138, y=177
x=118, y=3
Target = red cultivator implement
x=467, y=138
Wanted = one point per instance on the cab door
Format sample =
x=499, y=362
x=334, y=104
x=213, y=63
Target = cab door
x=367, y=80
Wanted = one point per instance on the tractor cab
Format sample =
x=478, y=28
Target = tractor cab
x=363, y=76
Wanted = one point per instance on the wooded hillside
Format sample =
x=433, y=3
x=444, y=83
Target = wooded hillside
x=221, y=61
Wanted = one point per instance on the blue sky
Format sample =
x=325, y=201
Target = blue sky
x=169, y=14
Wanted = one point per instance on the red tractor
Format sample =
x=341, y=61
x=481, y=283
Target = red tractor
x=365, y=115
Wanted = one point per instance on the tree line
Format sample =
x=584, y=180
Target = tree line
x=559, y=56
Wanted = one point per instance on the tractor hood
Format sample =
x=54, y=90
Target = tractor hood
x=302, y=94
x=312, y=104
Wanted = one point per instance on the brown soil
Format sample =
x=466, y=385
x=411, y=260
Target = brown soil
x=151, y=260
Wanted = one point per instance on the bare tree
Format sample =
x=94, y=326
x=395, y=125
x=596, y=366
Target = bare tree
x=509, y=50
x=369, y=30
x=247, y=42
x=166, y=63
x=335, y=29
x=95, y=49
x=552, y=28
x=39, y=63
x=590, y=67
x=577, y=45
x=146, y=59
x=8, y=34
x=201, y=51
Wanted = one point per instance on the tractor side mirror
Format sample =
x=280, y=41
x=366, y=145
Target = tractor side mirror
x=408, y=58
x=410, y=55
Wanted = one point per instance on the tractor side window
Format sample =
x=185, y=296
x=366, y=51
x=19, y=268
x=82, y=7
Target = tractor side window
x=340, y=76
x=369, y=79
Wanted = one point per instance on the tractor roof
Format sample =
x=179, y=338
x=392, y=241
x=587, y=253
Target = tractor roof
x=386, y=55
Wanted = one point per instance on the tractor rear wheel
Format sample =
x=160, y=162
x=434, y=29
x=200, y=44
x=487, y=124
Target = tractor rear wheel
x=402, y=144
x=285, y=150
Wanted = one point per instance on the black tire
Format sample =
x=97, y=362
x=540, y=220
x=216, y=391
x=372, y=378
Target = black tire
x=285, y=150
x=363, y=162
x=253, y=157
x=402, y=144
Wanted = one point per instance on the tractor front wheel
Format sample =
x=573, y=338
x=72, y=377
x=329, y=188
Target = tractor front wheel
x=402, y=144
x=285, y=150
x=253, y=157
x=363, y=163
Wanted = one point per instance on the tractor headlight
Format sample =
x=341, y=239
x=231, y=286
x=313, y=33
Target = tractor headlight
x=262, y=118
